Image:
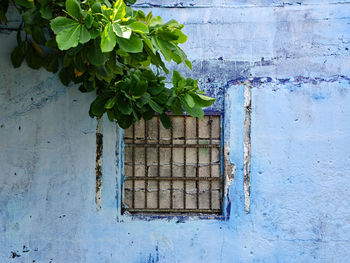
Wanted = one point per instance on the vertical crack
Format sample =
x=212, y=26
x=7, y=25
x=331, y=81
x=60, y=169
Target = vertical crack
x=98, y=169
x=247, y=145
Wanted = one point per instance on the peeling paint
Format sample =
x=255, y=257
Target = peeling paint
x=229, y=169
x=229, y=176
x=247, y=145
x=99, y=155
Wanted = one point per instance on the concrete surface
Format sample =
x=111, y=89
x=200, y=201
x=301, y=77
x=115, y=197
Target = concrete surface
x=295, y=55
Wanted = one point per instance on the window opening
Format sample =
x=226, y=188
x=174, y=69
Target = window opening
x=174, y=171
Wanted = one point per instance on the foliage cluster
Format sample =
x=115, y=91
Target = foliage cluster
x=108, y=47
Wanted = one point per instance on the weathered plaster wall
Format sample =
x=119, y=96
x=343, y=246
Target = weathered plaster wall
x=295, y=57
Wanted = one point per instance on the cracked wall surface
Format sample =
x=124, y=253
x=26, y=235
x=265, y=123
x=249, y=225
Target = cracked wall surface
x=295, y=56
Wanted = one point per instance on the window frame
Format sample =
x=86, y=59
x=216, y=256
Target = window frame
x=124, y=215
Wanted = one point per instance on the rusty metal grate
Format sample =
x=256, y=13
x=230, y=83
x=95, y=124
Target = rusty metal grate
x=174, y=171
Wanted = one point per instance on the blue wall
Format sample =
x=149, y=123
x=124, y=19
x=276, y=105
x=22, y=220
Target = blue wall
x=294, y=54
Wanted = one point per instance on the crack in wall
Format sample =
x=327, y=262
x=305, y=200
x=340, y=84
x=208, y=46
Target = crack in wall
x=247, y=144
x=99, y=155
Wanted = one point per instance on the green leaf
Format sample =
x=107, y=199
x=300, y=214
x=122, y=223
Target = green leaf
x=110, y=115
x=136, y=114
x=89, y=19
x=43, y=2
x=161, y=98
x=19, y=36
x=117, y=30
x=171, y=100
x=155, y=21
x=67, y=60
x=108, y=38
x=191, y=82
x=176, y=78
x=125, y=107
x=155, y=106
x=182, y=37
x=51, y=63
x=189, y=64
x=60, y=23
x=79, y=62
x=196, y=111
x=84, y=35
x=148, y=43
x=113, y=66
x=149, y=17
x=188, y=98
x=38, y=35
x=126, y=32
x=122, y=31
x=69, y=37
x=173, y=24
x=165, y=48
x=18, y=55
x=101, y=71
x=132, y=45
x=31, y=17
x=4, y=4
x=46, y=12
x=75, y=50
x=66, y=75
x=25, y=3
x=110, y=103
x=156, y=89
x=143, y=100
x=3, y=17
x=96, y=7
x=73, y=8
x=156, y=59
x=165, y=119
x=138, y=27
x=87, y=86
x=94, y=32
x=140, y=15
x=95, y=55
x=33, y=57
x=176, y=107
x=167, y=35
x=148, y=114
x=67, y=32
x=139, y=89
x=202, y=101
x=97, y=107
x=119, y=11
x=124, y=121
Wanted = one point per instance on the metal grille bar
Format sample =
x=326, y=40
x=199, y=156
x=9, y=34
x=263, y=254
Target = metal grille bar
x=173, y=178
x=163, y=145
x=176, y=170
x=164, y=210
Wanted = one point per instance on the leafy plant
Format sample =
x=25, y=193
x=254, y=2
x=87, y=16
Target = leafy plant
x=108, y=47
